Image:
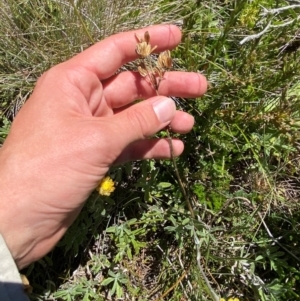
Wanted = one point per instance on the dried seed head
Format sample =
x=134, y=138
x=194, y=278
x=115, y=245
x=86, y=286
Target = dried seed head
x=143, y=48
x=147, y=37
x=159, y=71
x=164, y=60
x=142, y=70
x=139, y=39
x=147, y=67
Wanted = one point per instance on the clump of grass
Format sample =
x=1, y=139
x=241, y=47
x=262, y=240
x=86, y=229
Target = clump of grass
x=240, y=167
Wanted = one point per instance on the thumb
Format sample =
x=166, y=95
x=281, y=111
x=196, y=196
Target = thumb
x=144, y=119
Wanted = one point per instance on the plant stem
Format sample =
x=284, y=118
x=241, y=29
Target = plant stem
x=181, y=185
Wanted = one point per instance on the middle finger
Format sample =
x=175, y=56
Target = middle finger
x=126, y=87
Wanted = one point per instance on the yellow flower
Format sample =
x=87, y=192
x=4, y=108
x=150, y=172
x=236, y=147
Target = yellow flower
x=222, y=299
x=233, y=299
x=106, y=186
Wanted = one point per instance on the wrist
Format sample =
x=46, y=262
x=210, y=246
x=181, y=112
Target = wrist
x=18, y=239
x=14, y=226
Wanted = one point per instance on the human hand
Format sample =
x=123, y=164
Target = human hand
x=78, y=122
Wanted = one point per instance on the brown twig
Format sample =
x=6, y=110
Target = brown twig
x=172, y=287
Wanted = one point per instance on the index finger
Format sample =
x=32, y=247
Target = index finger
x=108, y=55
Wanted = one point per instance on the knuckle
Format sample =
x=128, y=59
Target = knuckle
x=142, y=120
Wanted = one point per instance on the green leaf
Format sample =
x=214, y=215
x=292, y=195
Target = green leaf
x=119, y=291
x=164, y=185
x=107, y=281
x=111, y=229
x=185, y=221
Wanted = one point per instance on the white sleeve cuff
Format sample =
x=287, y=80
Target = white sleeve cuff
x=11, y=286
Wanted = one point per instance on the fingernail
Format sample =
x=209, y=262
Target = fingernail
x=164, y=109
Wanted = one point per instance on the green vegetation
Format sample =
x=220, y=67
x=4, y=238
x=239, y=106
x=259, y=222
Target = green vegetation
x=241, y=165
